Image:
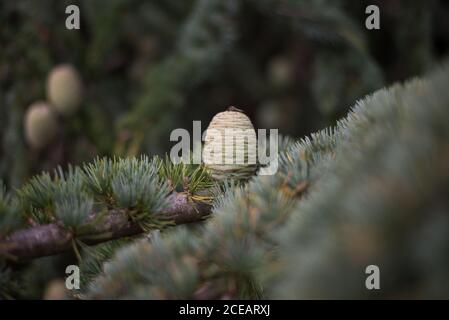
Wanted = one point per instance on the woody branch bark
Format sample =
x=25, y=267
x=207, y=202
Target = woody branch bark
x=51, y=239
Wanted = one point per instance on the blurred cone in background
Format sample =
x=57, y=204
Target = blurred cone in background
x=230, y=132
x=280, y=72
x=64, y=89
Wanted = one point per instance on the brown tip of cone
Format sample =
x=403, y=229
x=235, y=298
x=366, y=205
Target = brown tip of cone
x=232, y=108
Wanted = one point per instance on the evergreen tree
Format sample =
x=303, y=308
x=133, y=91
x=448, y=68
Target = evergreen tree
x=98, y=191
x=371, y=190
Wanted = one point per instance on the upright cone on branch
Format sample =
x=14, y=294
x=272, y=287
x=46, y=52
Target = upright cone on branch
x=64, y=89
x=40, y=125
x=230, y=146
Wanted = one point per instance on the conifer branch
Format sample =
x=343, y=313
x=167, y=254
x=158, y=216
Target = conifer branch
x=53, y=238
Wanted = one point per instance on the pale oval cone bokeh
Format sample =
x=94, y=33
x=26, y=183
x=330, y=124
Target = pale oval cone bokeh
x=64, y=89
